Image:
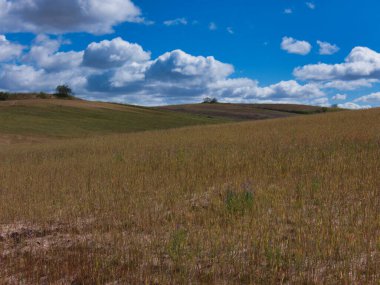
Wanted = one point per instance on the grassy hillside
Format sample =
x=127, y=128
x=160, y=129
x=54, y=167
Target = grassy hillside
x=75, y=118
x=293, y=201
x=247, y=111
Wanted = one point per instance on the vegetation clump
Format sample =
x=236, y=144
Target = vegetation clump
x=64, y=92
x=209, y=100
x=4, y=96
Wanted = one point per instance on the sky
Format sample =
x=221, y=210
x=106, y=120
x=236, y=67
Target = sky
x=150, y=52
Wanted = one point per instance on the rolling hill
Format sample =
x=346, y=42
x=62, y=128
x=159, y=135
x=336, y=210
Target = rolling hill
x=39, y=119
x=241, y=112
x=28, y=118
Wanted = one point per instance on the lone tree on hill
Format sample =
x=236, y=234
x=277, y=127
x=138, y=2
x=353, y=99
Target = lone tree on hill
x=209, y=100
x=4, y=96
x=64, y=91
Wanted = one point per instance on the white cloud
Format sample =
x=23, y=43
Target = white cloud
x=349, y=85
x=230, y=30
x=292, y=89
x=20, y=77
x=178, y=65
x=212, y=26
x=295, y=46
x=114, y=53
x=310, y=5
x=361, y=63
x=339, y=97
x=326, y=48
x=324, y=101
x=247, y=90
x=46, y=16
x=44, y=54
x=8, y=50
x=373, y=98
x=116, y=70
x=28, y=78
x=288, y=11
x=353, y=106
x=176, y=22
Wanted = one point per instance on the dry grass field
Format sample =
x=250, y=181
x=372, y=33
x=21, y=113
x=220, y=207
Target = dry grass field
x=284, y=201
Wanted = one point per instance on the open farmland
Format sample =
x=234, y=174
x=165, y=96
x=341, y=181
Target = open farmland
x=34, y=120
x=294, y=200
x=241, y=112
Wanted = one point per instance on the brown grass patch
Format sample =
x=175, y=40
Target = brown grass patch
x=291, y=201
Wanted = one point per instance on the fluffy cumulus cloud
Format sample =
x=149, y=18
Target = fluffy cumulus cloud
x=350, y=84
x=353, y=106
x=326, y=48
x=179, y=66
x=361, y=63
x=248, y=90
x=8, y=50
x=373, y=98
x=339, y=97
x=294, y=46
x=46, y=16
x=44, y=53
x=20, y=77
x=116, y=70
x=115, y=53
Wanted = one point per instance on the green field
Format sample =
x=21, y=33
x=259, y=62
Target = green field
x=67, y=119
x=29, y=119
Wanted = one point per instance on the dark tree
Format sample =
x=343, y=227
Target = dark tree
x=64, y=91
x=209, y=100
x=4, y=96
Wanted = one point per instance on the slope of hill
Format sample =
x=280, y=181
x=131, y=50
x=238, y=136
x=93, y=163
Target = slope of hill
x=288, y=201
x=246, y=111
x=38, y=118
x=29, y=118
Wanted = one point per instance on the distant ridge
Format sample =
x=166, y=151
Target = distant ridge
x=248, y=111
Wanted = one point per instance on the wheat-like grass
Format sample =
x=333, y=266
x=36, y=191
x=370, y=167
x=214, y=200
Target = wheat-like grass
x=295, y=200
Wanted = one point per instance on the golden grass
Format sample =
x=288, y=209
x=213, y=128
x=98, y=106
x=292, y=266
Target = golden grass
x=295, y=200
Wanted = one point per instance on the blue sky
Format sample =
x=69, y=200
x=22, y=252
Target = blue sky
x=166, y=52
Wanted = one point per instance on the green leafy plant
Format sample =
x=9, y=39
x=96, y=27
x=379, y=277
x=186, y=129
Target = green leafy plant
x=239, y=202
x=177, y=243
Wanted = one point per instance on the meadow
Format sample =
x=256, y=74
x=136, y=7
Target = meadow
x=284, y=201
x=41, y=119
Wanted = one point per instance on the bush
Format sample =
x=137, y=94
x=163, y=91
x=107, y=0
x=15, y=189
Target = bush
x=239, y=202
x=42, y=95
x=4, y=96
x=209, y=100
x=63, y=91
x=177, y=244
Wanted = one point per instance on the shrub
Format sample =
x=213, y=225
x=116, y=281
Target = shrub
x=4, y=96
x=42, y=95
x=63, y=91
x=209, y=100
x=177, y=244
x=239, y=202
